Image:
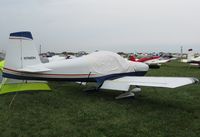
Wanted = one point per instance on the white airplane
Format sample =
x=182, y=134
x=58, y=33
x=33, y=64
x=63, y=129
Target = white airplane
x=195, y=61
x=107, y=69
x=191, y=59
x=56, y=58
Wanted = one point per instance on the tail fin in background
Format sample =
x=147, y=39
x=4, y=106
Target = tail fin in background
x=21, y=52
x=190, y=55
x=132, y=58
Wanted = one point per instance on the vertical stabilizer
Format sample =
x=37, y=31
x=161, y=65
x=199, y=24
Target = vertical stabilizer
x=132, y=58
x=21, y=52
x=190, y=55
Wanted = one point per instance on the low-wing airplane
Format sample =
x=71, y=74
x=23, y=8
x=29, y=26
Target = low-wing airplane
x=107, y=69
x=195, y=61
x=152, y=61
x=191, y=59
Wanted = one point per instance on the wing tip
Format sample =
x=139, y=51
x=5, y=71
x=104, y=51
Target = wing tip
x=195, y=80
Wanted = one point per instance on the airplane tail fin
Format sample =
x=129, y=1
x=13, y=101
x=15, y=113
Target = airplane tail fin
x=21, y=55
x=132, y=58
x=21, y=52
x=190, y=55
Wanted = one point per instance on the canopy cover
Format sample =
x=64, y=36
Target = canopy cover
x=105, y=62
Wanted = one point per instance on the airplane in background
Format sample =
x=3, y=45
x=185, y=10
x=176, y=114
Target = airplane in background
x=195, y=61
x=191, y=59
x=56, y=58
x=152, y=61
x=107, y=69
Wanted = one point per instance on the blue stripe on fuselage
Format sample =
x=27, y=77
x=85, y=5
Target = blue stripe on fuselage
x=118, y=75
x=93, y=79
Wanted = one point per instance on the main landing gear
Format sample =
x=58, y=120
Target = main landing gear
x=130, y=93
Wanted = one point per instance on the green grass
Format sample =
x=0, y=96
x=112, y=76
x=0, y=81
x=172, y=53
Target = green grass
x=69, y=111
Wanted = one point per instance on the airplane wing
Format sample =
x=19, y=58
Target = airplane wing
x=34, y=69
x=124, y=83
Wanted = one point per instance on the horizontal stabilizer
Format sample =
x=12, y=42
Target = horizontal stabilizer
x=124, y=83
x=2, y=63
x=34, y=69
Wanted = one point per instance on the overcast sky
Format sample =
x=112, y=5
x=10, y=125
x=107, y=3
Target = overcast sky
x=115, y=25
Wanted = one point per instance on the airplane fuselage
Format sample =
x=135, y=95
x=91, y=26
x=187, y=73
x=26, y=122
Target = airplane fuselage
x=85, y=69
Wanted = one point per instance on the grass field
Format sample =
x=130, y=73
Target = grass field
x=70, y=111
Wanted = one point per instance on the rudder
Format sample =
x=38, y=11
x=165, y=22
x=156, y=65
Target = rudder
x=23, y=52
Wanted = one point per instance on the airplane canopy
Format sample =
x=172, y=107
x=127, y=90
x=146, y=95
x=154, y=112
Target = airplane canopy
x=105, y=62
